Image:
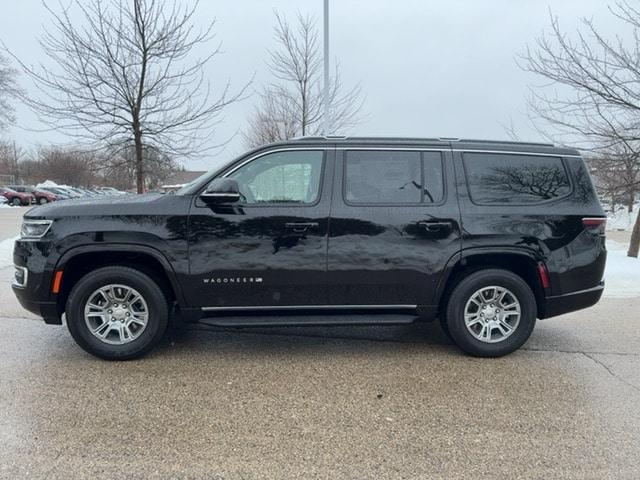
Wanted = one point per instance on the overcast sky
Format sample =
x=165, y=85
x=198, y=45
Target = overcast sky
x=426, y=67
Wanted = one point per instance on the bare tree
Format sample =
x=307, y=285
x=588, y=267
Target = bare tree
x=617, y=175
x=8, y=91
x=68, y=165
x=293, y=104
x=124, y=78
x=275, y=119
x=596, y=102
x=10, y=157
x=117, y=167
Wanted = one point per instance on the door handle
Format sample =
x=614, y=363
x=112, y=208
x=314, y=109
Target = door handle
x=434, y=226
x=300, y=227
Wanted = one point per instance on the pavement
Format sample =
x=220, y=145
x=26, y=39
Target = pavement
x=10, y=220
x=335, y=403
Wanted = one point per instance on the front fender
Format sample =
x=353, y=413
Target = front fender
x=128, y=248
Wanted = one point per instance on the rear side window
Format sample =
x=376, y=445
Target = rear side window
x=496, y=178
x=393, y=177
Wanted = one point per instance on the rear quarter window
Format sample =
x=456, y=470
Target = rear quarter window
x=496, y=178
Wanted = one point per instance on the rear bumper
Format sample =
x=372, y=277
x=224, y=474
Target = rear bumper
x=570, y=302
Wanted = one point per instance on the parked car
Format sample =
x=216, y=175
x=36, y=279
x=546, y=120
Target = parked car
x=41, y=196
x=487, y=237
x=86, y=192
x=60, y=194
x=70, y=192
x=17, y=198
x=3, y=200
x=78, y=191
x=111, y=191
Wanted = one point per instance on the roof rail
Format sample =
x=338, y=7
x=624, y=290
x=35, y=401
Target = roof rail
x=319, y=137
x=415, y=139
x=508, y=142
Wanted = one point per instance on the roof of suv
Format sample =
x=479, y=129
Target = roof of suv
x=455, y=143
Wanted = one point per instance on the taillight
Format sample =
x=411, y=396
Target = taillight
x=595, y=224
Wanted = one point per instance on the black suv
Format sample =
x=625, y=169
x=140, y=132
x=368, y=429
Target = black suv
x=485, y=236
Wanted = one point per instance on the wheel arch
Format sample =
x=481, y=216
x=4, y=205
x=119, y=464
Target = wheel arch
x=78, y=261
x=521, y=262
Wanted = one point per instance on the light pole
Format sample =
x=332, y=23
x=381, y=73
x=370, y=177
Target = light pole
x=327, y=107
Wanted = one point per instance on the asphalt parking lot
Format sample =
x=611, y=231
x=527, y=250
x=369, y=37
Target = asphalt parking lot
x=338, y=403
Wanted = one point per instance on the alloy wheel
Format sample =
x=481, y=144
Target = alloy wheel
x=116, y=314
x=492, y=314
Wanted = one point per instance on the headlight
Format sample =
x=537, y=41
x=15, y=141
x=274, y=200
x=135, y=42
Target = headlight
x=35, y=228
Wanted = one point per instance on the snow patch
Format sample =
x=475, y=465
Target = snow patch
x=6, y=252
x=621, y=219
x=622, y=273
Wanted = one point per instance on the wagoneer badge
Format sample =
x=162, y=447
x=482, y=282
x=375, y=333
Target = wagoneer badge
x=233, y=280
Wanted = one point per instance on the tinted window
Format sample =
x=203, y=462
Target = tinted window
x=282, y=177
x=505, y=178
x=393, y=177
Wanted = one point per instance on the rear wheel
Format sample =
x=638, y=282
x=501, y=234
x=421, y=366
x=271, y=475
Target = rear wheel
x=491, y=313
x=117, y=313
x=15, y=202
x=42, y=200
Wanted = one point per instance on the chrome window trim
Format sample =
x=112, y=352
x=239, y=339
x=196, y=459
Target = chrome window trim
x=394, y=149
x=218, y=194
x=467, y=150
x=514, y=152
x=230, y=170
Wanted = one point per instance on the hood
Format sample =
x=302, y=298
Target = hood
x=131, y=204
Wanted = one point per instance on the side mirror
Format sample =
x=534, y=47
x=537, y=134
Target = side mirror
x=221, y=190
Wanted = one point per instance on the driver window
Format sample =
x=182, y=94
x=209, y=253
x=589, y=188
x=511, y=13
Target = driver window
x=282, y=177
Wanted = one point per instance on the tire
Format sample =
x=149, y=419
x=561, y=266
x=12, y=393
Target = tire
x=112, y=346
x=15, y=202
x=43, y=201
x=497, y=340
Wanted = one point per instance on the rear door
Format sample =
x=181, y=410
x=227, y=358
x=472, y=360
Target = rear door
x=395, y=223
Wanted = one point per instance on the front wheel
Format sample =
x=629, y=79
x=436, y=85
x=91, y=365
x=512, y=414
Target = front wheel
x=491, y=313
x=16, y=202
x=42, y=201
x=117, y=313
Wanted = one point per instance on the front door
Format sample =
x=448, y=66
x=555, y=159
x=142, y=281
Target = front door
x=269, y=249
x=395, y=223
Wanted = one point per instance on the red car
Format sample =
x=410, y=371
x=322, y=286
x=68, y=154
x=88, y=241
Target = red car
x=41, y=196
x=17, y=198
